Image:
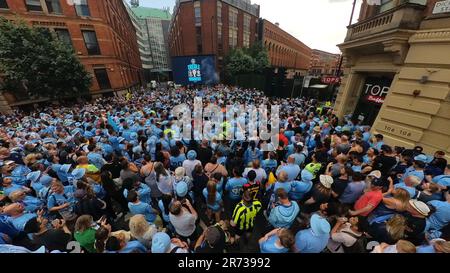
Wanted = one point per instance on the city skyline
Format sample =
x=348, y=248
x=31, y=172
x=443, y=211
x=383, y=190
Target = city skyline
x=297, y=19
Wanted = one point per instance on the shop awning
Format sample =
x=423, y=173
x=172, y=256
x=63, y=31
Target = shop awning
x=320, y=86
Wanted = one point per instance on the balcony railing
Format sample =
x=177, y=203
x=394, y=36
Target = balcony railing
x=405, y=16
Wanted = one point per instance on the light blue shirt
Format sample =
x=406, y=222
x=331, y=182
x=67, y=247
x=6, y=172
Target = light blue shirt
x=144, y=192
x=176, y=162
x=270, y=247
x=308, y=242
x=133, y=246
x=299, y=158
x=292, y=171
x=20, y=222
x=425, y=249
x=165, y=214
x=144, y=209
x=410, y=171
x=441, y=217
x=234, y=187
x=269, y=164
x=299, y=189
x=216, y=206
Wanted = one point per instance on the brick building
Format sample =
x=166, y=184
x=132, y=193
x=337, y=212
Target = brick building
x=397, y=74
x=212, y=27
x=284, y=49
x=99, y=32
x=323, y=63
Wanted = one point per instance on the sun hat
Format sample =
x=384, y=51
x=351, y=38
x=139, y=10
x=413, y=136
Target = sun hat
x=160, y=242
x=326, y=181
x=319, y=225
x=420, y=207
x=376, y=174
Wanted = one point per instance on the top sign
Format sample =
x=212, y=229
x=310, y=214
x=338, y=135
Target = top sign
x=441, y=7
x=331, y=80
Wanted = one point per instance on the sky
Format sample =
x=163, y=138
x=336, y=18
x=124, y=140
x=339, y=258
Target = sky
x=320, y=24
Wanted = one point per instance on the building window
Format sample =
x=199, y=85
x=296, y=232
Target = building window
x=82, y=8
x=233, y=14
x=247, y=20
x=386, y=5
x=63, y=35
x=219, y=12
x=90, y=40
x=102, y=78
x=232, y=37
x=53, y=6
x=33, y=5
x=197, y=13
x=198, y=35
x=3, y=4
x=219, y=38
x=246, y=40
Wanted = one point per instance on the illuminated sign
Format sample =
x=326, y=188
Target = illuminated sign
x=194, y=72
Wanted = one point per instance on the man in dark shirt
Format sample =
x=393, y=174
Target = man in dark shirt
x=385, y=161
x=211, y=241
x=204, y=153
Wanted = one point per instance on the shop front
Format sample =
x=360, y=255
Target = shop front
x=372, y=96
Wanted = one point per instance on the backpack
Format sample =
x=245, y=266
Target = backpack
x=359, y=246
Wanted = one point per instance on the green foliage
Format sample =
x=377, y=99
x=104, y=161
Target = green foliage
x=36, y=61
x=253, y=60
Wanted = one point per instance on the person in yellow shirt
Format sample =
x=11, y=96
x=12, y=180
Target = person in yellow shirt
x=91, y=171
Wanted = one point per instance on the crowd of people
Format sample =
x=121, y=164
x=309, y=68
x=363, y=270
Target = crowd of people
x=115, y=176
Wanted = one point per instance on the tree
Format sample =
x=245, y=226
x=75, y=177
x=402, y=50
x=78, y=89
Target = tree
x=253, y=60
x=36, y=61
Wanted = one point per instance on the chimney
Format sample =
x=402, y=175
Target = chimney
x=277, y=24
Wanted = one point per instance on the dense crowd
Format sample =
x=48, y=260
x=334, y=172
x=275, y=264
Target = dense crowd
x=115, y=176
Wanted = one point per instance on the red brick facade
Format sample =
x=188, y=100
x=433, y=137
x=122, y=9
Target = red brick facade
x=119, y=53
x=183, y=39
x=284, y=49
x=323, y=63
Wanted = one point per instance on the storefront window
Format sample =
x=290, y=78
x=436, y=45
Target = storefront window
x=373, y=94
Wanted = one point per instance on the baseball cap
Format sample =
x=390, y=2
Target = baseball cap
x=422, y=158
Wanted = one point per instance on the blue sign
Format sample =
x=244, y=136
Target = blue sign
x=195, y=70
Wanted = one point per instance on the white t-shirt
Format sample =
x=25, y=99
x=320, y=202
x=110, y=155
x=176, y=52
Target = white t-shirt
x=184, y=223
x=189, y=166
x=342, y=238
x=260, y=173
